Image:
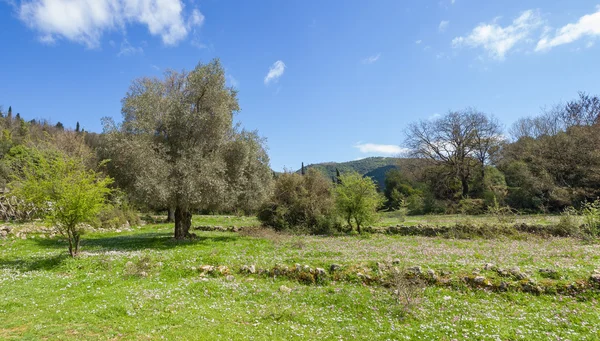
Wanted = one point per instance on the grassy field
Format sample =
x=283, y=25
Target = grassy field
x=140, y=284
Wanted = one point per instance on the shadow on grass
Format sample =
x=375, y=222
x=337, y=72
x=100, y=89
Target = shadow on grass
x=136, y=242
x=38, y=263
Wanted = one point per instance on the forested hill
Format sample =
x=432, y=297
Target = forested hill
x=374, y=167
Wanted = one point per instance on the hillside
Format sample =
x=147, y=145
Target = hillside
x=374, y=167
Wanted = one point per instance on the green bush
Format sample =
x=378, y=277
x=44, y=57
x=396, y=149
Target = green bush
x=591, y=218
x=114, y=217
x=472, y=206
x=300, y=203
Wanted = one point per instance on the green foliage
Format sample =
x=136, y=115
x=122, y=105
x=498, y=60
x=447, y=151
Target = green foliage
x=397, y=191
x=69, y=194
x=116, y=216
x=357, y=200
x=178, y=146
x=300, y=203
x=471, y=206
x=591, y=217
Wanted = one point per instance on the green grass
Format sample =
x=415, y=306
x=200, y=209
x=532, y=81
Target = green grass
x=141, y=284
x=396, y=217
x=225, y=221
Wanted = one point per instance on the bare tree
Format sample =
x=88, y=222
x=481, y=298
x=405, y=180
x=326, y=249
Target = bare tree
x=462, y=140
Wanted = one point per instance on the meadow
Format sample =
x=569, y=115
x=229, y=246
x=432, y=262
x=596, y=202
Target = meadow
x=139, y=283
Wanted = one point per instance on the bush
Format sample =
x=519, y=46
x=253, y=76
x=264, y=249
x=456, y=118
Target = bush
x=300, y=203
x=471, y=206
x=357, y=200
x=114, y=217
x=591, y=217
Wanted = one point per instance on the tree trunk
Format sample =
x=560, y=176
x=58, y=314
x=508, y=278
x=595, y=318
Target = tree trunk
x=170, y=215
x=465, y=187
x=183, y=223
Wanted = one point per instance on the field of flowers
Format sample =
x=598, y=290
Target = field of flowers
x=140, y=284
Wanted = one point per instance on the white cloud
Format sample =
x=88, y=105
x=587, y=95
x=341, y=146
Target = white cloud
x=371, y=59
x=443, y=26
x=129, y=50
x=498, y=40
x=85, y=21
x=587, y=25
x=418, y=42
x=382, y=149
x=275, y=71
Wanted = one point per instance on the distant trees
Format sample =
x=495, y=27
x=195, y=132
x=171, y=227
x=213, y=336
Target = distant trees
x=461, y=141
x=357, y=200
x=555, y=159
x=177, y=146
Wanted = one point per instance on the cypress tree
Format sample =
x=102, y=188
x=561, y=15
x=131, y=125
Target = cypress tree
x=77, y=127
x=337, y=175
x=9, y=112
x=302, y=169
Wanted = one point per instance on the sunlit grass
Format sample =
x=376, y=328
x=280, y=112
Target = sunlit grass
x=141, y=284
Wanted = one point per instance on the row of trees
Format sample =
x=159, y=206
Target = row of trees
x=464, y=160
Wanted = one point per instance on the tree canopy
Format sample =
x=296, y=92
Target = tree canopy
x=178, y=146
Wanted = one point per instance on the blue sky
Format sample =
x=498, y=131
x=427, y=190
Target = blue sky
x=322, y=80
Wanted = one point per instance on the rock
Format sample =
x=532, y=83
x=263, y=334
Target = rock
x=595, y=278
x=488, y=266
x=503, y=286
x=381, y=266
x=396, y=261
x=416, y=270
x=223, y=270
x=431, y=272
x=307, y=268
x=248, y=269
x=6, y=229
x=298, y=267
x=479, y=279
x=516, y=272
x=206, y=268
x=549, y=273
x=230, y=278
x=3, y=234
x=334, y=267
x=321, y=272
x=285, y=289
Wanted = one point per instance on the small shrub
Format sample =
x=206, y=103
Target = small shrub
x=504, y=214
x=407, y=290
x=591, y=218
x=568, y=224
x=114, y=217
x=471, y=206
x=142, y=268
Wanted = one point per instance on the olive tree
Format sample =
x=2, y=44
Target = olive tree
x=357, y=200
x=67, y=193
x=178, y=147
